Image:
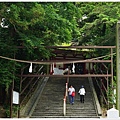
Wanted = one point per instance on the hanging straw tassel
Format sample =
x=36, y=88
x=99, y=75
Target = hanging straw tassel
x=73, y=68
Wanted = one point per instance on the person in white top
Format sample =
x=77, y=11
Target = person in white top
x=82, y=93
x=71, y=98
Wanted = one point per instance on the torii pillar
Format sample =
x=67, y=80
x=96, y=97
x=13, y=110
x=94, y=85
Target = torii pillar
x=118, y=64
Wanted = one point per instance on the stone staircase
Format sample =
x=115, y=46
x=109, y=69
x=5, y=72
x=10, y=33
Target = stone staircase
x=50, y=102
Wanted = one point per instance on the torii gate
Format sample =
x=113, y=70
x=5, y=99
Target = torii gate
x=94, y=60
x=76, y=61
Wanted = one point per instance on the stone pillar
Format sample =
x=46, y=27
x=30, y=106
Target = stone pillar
x=113, y=113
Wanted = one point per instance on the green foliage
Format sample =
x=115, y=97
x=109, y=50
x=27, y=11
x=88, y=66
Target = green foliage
x=7, y=111
x=99, y=26
x=7, y=73
x=110, y=94
x=34, y=25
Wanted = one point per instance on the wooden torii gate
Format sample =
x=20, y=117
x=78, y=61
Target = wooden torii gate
x=77, y=61
x=94, y=60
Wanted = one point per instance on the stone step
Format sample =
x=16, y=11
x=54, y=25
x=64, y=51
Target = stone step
x=61, y=116
x=69, y=106
x=60, y=111
x=68, y=111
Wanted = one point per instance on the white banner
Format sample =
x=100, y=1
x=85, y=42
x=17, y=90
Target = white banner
x=15, y=97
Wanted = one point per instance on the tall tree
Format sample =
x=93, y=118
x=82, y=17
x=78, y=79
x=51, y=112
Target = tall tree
x=98, y=27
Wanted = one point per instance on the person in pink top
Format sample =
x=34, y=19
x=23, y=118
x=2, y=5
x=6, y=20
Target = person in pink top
x=71, y=98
